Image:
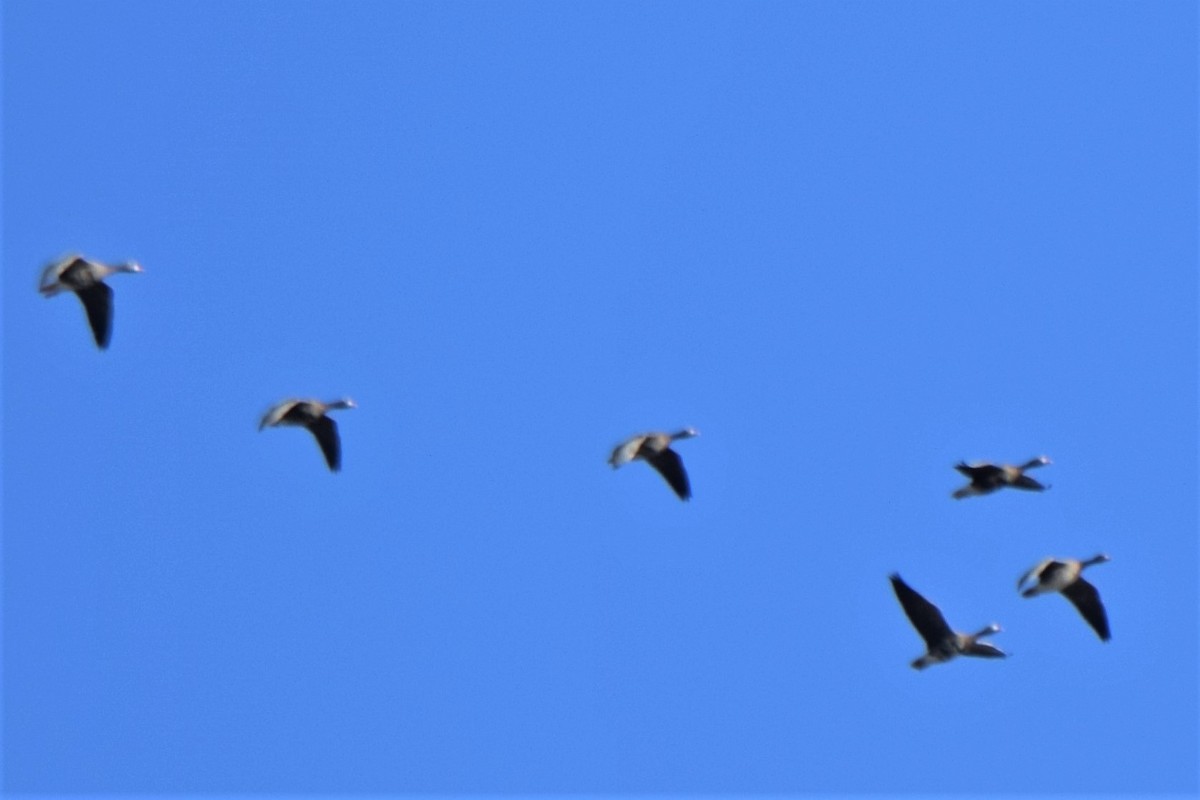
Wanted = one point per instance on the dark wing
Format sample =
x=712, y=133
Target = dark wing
x=325, y=429
x=978, y=472
x=670, y=466
x=1085, y=597
x=924, y=615
x=985, y=650
x=1026, y=482
x=97, y=301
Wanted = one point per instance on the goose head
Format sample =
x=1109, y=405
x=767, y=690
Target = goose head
x=103, y=271
x=988, y=631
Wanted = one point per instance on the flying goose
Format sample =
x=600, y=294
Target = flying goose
x=1063, y=575
x=655, y=449
x=987, y=478
x=943, y=643
x=86, y=279
x=312, y=415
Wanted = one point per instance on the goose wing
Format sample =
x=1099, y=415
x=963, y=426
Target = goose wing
x=670, y=466
x=984, y=650
x=48, y=284
x=924, y=615
x=51, y=280
x=326, y=433
x=626, y=451
x=97, y=301
x=276, y=413
x=1085, y=598
x=978, y=471
x=1026, y=482
x=1034, y=573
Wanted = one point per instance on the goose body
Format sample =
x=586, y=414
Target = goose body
x=86, y=279
x=655, y=450
x=942, y=642
x=311, y=414
x=1065, y=576
x=987, y=478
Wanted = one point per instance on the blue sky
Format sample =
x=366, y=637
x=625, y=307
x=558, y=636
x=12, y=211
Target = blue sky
x=851, y=243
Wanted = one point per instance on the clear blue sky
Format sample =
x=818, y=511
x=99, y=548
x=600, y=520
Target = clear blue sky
x=850, y=242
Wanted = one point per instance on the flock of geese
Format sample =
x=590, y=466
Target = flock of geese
x=1064, y=576
x=941, y=641
x=85, y=278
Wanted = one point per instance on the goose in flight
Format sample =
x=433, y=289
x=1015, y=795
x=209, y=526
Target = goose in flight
x=655, y=449
x=943, y=643
x=1064, y=575
x=312, y=414
x=987, y=478
x=86, y=279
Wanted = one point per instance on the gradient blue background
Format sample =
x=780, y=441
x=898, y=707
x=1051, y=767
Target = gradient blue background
x=852, y=243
